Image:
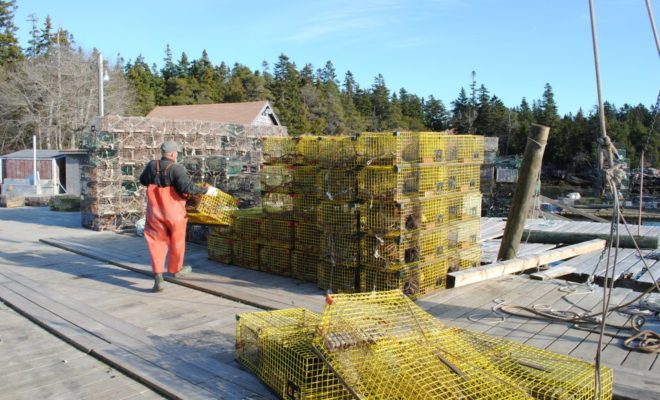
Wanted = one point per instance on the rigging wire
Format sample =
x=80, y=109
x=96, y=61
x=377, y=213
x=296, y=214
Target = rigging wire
x=655, y=32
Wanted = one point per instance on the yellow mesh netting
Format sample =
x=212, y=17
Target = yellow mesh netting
x=212, y=210
x=382, y=346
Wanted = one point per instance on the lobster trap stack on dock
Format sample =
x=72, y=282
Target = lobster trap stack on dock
x=227, y=156
x=379, y=211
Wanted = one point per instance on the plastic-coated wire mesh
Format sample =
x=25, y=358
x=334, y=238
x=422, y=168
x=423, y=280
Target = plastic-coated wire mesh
x=220, y=249
x=337, y=184
x=460, y=259
x=278, y=232
x=277, y=178
x=463, y=148
x=340, y=249
x=308, y=237
x=279, y=150
x=392, y=251
x=212, y=210
x=275, y=260
x=383, y=346
x=339, y=217
x=224, y=231
x=337, y=152
x=339, y=278
x=414, y=280
x=304, y=179
x=399, y=182
x=384, y=217
x=542, y=374
x=305, y=208
x=278, y=204
x=390, y=148
x=463, y=177
x=304, y=265
x=307, y=148
x=275, y=345
x=245, y=253
x=463, y=206
x=463, y=234
x=248, y=225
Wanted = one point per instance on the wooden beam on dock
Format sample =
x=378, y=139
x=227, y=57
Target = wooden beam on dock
x=572, y=209
x=497, y=269
x=536, y=236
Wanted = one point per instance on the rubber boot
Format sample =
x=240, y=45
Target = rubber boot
x=158, y=283
x=185, y=270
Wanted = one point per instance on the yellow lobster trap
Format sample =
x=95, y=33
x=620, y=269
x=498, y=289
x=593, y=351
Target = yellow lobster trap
x=463, y=206
x=212, y=210
x=337, y=152
x=337, y=184
x=386, y=217
x=275, y=260
x=248, y=224
x=339, y=278
x=463, y=234
x=307, y=147
x=400, y=182
x=340, y=249
x=220, y=249
x=383, y=346
x=463, y=148
x=277, y=178
x=304, y=265
x=304, y=179
x=278, y=232
x=414, y=280
x=339, y=217
x=308, y=237
x=305, y=208
x=245, y=253
x=276, y=347
x=279, y=150
x=392, y=251
x=391, y=148
x=465, y=258
x=463, y=177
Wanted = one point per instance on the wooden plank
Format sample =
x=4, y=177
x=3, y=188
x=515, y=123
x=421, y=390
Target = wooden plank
x=156, y=377
x=168, y=355
x=572, y=209
x=465, y=277
x=552, y=273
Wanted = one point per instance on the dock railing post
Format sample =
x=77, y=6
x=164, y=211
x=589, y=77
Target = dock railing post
x=530, y=169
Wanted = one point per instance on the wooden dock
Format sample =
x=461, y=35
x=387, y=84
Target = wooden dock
x=92, y=289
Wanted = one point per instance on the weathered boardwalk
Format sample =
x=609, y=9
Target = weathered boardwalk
x=180, y=342
x=104, y=301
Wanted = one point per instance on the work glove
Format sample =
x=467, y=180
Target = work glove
x=212, y=191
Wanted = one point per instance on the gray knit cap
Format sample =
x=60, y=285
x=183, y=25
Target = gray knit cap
x=169, y=146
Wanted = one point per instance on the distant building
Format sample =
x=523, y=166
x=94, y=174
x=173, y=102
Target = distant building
x=58, y=172
x=250, y=113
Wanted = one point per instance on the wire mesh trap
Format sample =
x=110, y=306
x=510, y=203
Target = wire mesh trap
x=212, y=210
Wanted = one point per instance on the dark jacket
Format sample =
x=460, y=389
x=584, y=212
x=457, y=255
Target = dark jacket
x=170, y=174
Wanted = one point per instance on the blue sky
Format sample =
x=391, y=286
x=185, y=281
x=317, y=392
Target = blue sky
x=426, y=46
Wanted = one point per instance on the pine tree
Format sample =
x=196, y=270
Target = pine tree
x=435, y=114
x=145, y=85
x=10, y=52
x=461, y=113
x=286, y=90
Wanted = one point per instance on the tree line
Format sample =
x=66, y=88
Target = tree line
x=50, y=89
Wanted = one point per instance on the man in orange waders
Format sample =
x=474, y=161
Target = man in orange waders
x=168, y=187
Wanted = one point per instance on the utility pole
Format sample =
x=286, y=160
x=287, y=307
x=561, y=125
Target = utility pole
x=530, y=170
x=101, y=111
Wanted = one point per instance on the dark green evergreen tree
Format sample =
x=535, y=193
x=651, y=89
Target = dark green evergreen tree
x=10, y=51
x=436, y=117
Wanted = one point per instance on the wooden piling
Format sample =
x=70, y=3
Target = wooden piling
x=530, y=169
